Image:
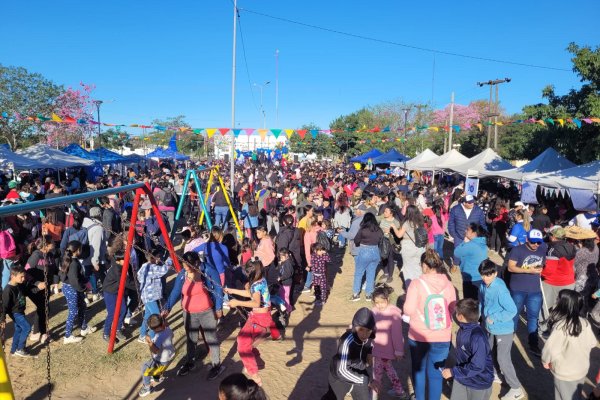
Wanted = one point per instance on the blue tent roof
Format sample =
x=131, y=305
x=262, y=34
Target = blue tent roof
x=76, y=150
x=365, y=157
x=390, y=156
x=109, y=157
x=167, y=153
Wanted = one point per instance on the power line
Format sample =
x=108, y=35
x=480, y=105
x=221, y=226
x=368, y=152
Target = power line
x=384, y=41
x=246, y=60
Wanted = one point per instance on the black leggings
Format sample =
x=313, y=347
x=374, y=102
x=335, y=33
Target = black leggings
x=39, y=321
x=338, y=390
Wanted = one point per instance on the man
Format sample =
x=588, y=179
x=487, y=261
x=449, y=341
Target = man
x=94, y=263
x=111, y=222
x=461, y=216
x=559, y=270
x=526, y=263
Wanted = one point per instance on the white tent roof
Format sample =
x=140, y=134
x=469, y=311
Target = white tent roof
x=7, y=158
x=585, y=177
x=487, y=160
x=548, y=161
x=47, y=157
x=446, y=160
x=423, y=157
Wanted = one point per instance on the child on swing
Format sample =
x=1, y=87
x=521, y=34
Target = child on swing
x=162, y=350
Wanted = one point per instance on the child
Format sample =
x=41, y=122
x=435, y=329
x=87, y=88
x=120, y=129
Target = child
x=238, y=387
x=286, y=275
x=150, y=280
x=111, y=288
x=348, y=368
x=318, y=267
x=163, y=352
x=74, y=287
x=498, y=310
x=474, y=370
x=567, y=351
x=13, y=304
x=389, y=342
x=246, y=251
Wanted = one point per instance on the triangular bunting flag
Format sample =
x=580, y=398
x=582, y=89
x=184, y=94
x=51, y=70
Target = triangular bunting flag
x=479, y=126
x=210, y=132
x=596, y=120
x=69, y=120
x=82, y=122
x=314, y=133
x=289, y=133
x=197, y=131
x=499, y=123
x=276, y=132
x=301, y=133
x=561, y=121
x=550, y=121
x=434, y=128
x=224, y=131
x=386, y=129
x=249, y=131
x=56, y=118
x=577, y=122
x=236, y=132
x=456, y=128
x=39, y=116
x=587, y=120
x=541, y=122
x=262, y=133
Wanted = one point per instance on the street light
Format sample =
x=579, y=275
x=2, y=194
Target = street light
x=262, y=110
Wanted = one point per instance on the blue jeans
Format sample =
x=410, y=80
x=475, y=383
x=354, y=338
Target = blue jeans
x=221, y=215
x=427, y=360
x=438, y=245
x=149, y=309
x=366, y=262
x=533, y=302
x=90, y=274
x=309, y=279
x=147, y=380
x=22, y=328
x=7, y=264
x=110, y=300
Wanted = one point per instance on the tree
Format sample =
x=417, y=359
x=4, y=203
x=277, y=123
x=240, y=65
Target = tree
x=24, y=94
x=469, y=114
x=115, y=138
x=75, y=104
x=322, y=145
x=187, y=142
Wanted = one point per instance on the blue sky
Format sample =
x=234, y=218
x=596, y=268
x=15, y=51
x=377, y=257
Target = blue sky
x=158, y=59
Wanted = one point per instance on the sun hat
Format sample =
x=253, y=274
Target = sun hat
x=579, y=233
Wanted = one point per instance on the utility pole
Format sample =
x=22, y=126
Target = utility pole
x=406, y=111
x=232, y=149
x=495, y=112
x=451, y=122
x=98, y=103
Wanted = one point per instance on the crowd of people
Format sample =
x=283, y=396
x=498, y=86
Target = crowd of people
x=295, y=217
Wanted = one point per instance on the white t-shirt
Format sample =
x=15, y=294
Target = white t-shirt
x=164, y=341
x=467, y=211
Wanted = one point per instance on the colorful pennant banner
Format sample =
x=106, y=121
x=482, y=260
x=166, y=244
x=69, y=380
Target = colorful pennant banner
x=263, y=133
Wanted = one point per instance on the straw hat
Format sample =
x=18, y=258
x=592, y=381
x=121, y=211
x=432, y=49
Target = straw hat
x=578, y=233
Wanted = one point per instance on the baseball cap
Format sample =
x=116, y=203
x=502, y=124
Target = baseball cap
x=557, y=231
x=185, y=228
x=469, y=199
x=12, y=184
x=535, y=236
x=519, y=203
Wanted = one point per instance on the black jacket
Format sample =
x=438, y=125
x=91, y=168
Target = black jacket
x=74, y=276
x=350, y=362
x=286, y=272
x=113, y=278
x=13, y=301
x=290, y=239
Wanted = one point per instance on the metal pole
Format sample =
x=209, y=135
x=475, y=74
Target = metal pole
x=496, y=121
x=451, y=122
x=232, y=150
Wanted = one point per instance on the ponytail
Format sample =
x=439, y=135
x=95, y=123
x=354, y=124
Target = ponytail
x=72, y=248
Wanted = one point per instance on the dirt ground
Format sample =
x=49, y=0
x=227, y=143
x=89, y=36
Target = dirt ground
x=295, y=369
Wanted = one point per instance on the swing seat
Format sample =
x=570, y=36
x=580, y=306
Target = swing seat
x=157, y=370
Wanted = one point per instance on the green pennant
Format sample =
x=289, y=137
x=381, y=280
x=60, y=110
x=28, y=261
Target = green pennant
x=42, y=118
x=276, y=132
x=198, y=131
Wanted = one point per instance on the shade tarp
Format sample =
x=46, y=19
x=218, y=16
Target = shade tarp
x=7, y=158
x=52, y=158
x=109, y=157
x=448, y=159
x=363, y=158
x=586, y=177
x=424, y=156
x=484, y=162
x=390, y=156
x=548, y=161
x=167, y=153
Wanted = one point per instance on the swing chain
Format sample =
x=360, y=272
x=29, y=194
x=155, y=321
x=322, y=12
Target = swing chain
x=47, y=312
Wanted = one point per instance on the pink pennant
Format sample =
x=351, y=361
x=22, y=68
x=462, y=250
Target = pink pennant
x=249, y=131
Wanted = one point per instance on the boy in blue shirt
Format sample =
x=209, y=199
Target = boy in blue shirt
x=163, y=352
x=474, y=370
x=498, y=311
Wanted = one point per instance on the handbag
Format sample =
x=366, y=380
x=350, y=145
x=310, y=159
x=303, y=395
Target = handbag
x=384, y=247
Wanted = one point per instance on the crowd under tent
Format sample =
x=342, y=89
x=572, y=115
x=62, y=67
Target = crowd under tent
x=8, y=159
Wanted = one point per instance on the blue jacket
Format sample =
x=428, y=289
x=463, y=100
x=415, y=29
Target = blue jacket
x=212, y=283
x=216, y=255
x=351, y=233
x=474, y=366
x=471, y=254
x=496, y=303
x=517, y=236
x=458, y=222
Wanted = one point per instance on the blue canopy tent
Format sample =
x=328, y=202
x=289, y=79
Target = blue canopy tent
x=365, y=157
x=109, y=157
x=391, y=156
x=159, y=152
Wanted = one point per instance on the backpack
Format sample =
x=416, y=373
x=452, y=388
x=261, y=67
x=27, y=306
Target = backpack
x=324, y=240
x=384, y=247
x=436, y=315
x=421, y=237
x=169, y=199
x=8, y=246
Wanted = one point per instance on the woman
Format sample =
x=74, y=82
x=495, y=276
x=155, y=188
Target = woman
x=470, y=254
x=310, y=238
x=75, y=232
x=541, y=220
x=249, y=217
x=265, y=251
x=386, y=224
x=429, y=344
x=499, y=219
x=439, y=222
x=586, y=259
x=259, y=321
x=216, y=254
x=289, y=238
x=411, y=254
x=199, y=314
x=367, y=241
x=518, y=233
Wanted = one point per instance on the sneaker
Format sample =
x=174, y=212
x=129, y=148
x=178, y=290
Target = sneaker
x=72, y=339
x=107, y=338
x=87, y=301
x=398, y=395
x=145, y=391
x=306, y=290
x=22, y=353
x=368, y=297
x=90, y=329
x=127, y=320
x=186, y=368
x=215, y=372
x=141, y=340
x=355, y=297
x=513, y=394
x=535, y=350
x=96, y=297
x=44, y=339
x=158, y=379
x=35, y=337
x=383, y=276
x=121, y=336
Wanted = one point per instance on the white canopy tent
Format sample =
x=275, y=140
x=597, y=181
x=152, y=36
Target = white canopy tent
x=45, y=156
x=16, y=161
x=449, y=158
x=548, y=161
x=484, y=162
x=424, y=156
x=584, y=177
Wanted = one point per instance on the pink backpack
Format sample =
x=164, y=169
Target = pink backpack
x=8, y=247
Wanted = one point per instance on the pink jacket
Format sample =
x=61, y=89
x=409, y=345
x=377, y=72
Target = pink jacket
x=388, y=342
x=414, y=307
x=310, y=237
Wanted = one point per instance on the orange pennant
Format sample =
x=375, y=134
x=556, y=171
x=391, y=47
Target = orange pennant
x=541, y=122
x=480, y=126
x=262, y=133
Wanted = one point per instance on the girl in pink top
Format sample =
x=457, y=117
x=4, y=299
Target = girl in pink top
x=389, y=342
x=266, y=249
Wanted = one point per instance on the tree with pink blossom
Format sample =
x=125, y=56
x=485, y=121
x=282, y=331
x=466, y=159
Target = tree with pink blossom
x=470, y=114
x=74, y=106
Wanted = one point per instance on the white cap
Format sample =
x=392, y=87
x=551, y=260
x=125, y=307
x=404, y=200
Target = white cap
x=519, y=203
x=469, y=199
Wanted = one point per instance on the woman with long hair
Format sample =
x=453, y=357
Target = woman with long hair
x=259, y=322
x=216, y=254
x=411, y=253
x=367, y=241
